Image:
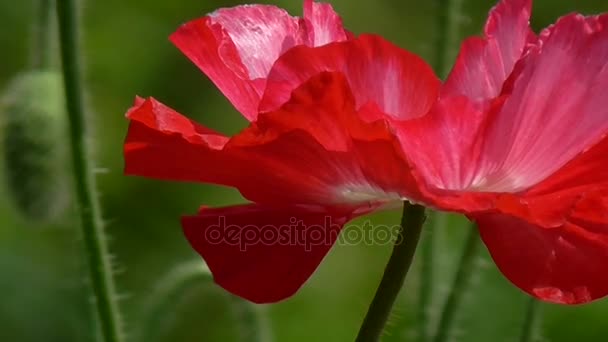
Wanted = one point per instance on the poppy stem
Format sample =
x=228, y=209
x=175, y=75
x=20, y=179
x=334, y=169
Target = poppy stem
x=531, y=321
x=394, y=273
x=96, y=249
x=42, y=32
x=459, y=287
x=252, y=324
x=437, y=223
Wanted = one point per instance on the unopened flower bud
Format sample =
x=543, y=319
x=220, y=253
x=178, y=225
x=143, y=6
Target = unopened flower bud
x=34, y=146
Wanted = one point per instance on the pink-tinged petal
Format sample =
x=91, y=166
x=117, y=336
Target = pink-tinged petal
x=565, y=194
x=404, y=86
x=236, y=47
x=556, y=110
x=456, y=126
x=586, y=171
x=326, y=23
x=264, y=253
x=552, y=240
x=209, y=47
x=484, y=64
x=315, y=149
x=260, y=33
x=564, y=264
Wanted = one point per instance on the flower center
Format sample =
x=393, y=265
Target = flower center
x=357, y=193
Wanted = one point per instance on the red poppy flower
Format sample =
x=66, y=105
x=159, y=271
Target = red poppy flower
x=320, y=153
x=519, y=145
x=514, y=140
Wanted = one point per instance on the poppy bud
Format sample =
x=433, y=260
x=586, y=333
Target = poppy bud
x=34, y=152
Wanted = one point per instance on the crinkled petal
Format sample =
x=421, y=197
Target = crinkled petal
x=534, y=176
x=326, y=23
x=457, y=127
x=583, y=173
x=264, y=253
x=550, y=117
x=162, y=143
x=565, y=264
x=559, y=197
x=315, y=149
x=395, y=81
x=209, y=47
x=484, y=64
x=458, y=123
x=552, y=240
x=519, y=139
x=236, y=47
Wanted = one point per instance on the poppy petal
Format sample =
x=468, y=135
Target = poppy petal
x=236, y=47
x=163, y=144
x=565, y=264
x=550, y=117
x=261, y=253
x=583, y=173
x=456, y=126
x=484, y=64
x=316, y=149
x=550, y=202
x=320, y=145
x=326, y=23
x=210, y=47
x=552, y=240
x=404, y=85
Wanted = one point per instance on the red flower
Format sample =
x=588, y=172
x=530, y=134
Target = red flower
x=321, y=153
x=519, y=145
x=515, y=140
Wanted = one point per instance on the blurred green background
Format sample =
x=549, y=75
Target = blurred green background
x=43, y=288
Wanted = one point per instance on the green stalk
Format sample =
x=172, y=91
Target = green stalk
x=88, y=207
x=458, y=290
x=529, y=332
x=437, y=223
x=447, y=35
x=392, y=281
x=41, y=58
x=250, y=321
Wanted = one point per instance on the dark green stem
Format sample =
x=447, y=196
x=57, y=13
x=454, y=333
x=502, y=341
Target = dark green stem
x=41, y=58
x=88, y=208
x=394, y=273
x=250, y=321
x=459, y=287
x=530, y=327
